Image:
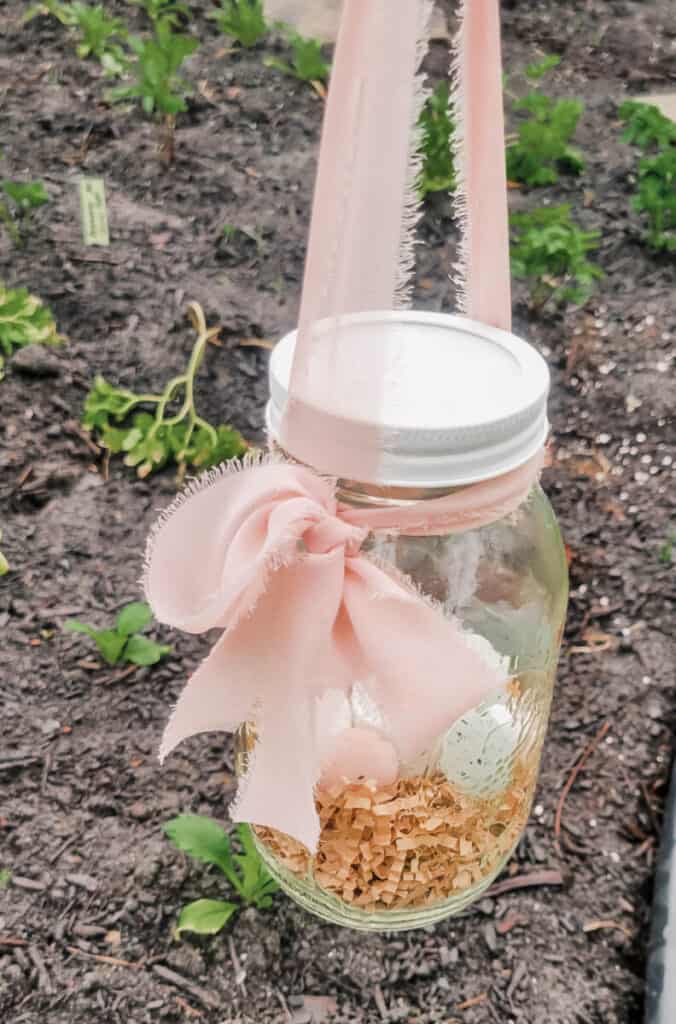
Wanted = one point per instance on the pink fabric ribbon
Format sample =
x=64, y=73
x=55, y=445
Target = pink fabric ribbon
x=267, y=554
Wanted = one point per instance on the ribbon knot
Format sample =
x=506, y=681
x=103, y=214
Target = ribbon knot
x=267, y=554
x=332, y=532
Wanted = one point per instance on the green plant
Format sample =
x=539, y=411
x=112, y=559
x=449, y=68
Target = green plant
x=4, y=564
x=307, y=63
x=541, y=147
x=232, y=235
x=534, y=72
x=436, y=132
x=24, y=320
x=5, y=877
x=646, y=125
x=158, y=84
x=100, y=34
x=656, y=197
x=152, y=440
x=550, y=251
x=167, y=10
x=124, y=642
x=244, y=20
x=205, y=840
x=666, y=552
x=22, y=198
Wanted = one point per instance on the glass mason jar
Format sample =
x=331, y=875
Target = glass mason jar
x=428, y=843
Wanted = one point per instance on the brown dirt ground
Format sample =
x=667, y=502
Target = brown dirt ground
x=83, y=798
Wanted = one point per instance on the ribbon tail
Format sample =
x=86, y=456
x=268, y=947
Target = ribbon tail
x=278, y=789
x=285, y=655
x=208, y=702
x=421, y=670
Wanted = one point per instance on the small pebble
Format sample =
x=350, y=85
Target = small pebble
x=36, y=361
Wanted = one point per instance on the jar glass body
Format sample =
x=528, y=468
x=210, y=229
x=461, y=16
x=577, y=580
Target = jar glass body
x=426, y=846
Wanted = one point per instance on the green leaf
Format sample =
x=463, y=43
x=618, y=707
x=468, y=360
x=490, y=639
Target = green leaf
x=203, y=839
x=646, y=125
x=24, y=321
x=110, y=643
x=436, y=128
x=140, y=650
x=551, y=250
x=244, y=20
x=307, y=62
x=542, y=146
x=26, y=195
x=536, y=71
x=205, y=917
x=73, y=626
x=5, y=877
x=134, y=618
x=257, y=884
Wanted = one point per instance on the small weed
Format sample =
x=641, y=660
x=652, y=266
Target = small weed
x=124, y=642
x=158, y=84
x=5, y=877
x=656, y=197
x=550, y=251
x=535, y=72
x=436, y=127
x=307, y=63
x=646, y=126
x=236, y=238
x=666, y=552
x=205, y=840
x=244, y=20
x=4, y=564
x=100, y=35
x=173, y=11
x=24, y=320
x=22, y=199
x=150, y=441
x=541, y=147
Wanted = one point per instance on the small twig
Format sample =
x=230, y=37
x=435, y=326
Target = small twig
x=44, y=980
x=256, y=343
x=381, y=1005
x=47, y=767
x=476, y=1001
x=190, y=1010
x=240, y=973
x=595, y=926
x=651, y=810
x=586, y=754
x=643, y=848
x=518, y=974
x=282, y=1002
x=103, y=959
x=117, y=677
x=208, y=999
x=532, y=878
x=7, y=940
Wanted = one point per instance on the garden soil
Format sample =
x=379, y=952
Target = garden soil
x=86, y=918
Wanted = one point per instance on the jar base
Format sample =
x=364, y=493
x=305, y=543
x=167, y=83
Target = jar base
x=333, y=910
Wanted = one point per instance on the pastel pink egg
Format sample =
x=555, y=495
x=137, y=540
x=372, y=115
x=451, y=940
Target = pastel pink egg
x=360, y=753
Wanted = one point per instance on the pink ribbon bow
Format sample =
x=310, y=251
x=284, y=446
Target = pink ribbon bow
x=267, y=554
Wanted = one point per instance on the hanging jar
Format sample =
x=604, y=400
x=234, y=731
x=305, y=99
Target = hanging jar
x=390, y=579
x=404, y=843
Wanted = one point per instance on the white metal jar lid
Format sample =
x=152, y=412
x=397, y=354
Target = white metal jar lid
x=459, y=402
